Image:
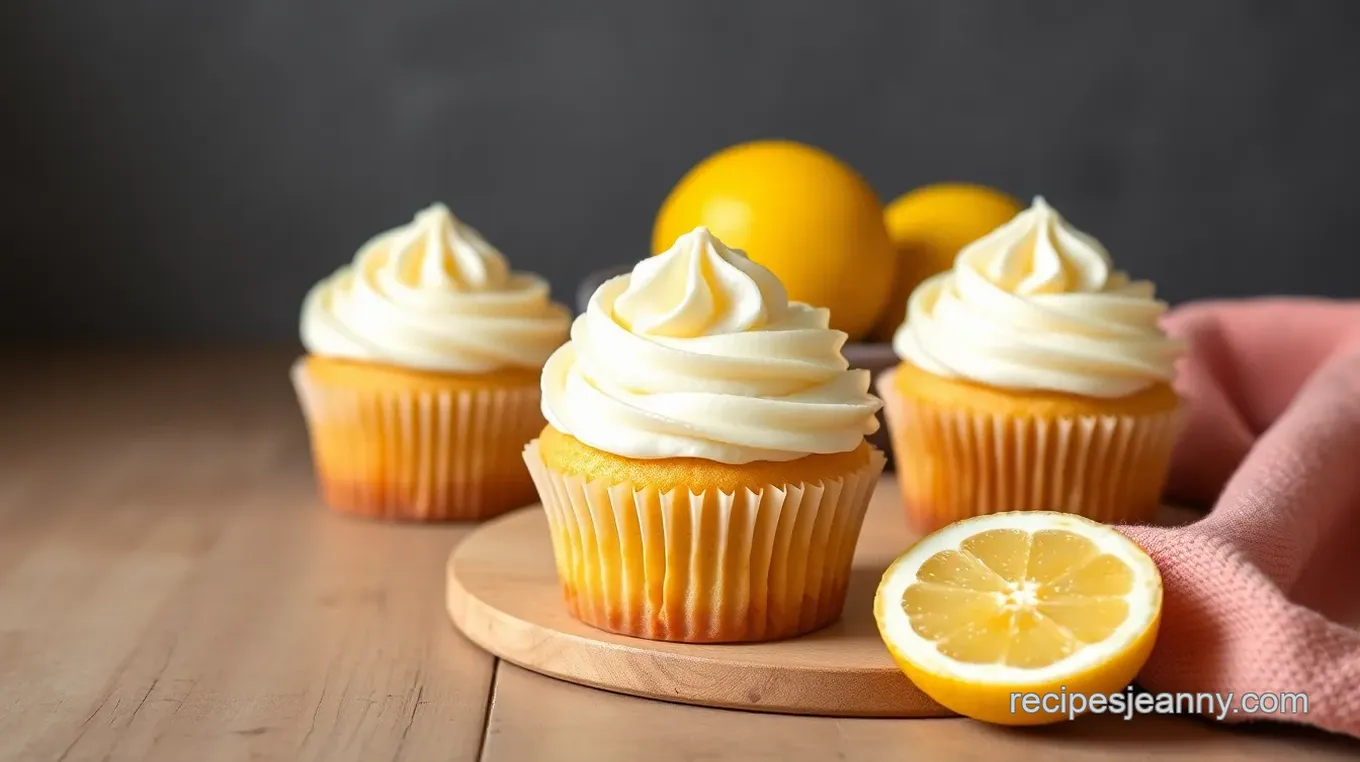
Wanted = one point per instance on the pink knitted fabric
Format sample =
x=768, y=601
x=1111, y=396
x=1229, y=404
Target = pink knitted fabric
x=1263, y=593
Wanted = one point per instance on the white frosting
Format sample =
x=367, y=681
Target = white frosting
x=699, y=353
x=1038, y=305
x=434, y=295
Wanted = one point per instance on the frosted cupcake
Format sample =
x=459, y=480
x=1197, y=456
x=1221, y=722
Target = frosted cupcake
x=420, y=383
x=1034, y=376
x=704, y=469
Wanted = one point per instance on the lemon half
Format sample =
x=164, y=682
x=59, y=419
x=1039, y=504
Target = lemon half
x=991, y=609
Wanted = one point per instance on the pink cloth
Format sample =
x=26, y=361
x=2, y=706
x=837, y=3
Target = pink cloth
x=1263, y=593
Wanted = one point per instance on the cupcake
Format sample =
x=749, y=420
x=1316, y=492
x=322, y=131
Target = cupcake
x=420, y=385
x=1033, y=376
x=704, y=469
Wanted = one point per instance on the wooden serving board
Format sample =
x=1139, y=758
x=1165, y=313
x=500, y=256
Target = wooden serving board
x=503, y=593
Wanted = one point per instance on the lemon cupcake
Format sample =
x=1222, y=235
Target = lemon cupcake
x=1034, y=376
x=421, y=381
x=704, y=469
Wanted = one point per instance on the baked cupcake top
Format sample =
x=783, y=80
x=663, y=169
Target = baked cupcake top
x=698, y=353
x=1038, y=305
x=434, y=295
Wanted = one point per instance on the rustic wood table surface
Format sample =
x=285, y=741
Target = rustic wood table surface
x=171, y=589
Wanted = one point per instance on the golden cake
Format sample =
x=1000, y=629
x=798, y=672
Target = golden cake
x=1034, y=376
x=420, y=385
x=704, y=468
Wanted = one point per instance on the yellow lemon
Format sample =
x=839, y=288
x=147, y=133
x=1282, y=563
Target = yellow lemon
x=991, y=610
x=802, y=213
x=928, y=226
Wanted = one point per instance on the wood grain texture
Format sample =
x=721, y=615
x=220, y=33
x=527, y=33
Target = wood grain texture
x=537, y=718
x=171, y=589
x=504, y=595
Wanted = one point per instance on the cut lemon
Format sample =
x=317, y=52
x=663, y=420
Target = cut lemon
x=989, y=611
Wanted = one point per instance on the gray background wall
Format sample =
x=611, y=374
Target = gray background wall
x=177, y=170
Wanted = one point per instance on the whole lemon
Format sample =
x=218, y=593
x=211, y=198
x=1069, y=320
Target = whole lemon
x=802, y=213
x=929, y=226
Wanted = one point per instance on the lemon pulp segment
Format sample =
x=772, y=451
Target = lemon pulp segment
x=1023, y=599
x=990, y=609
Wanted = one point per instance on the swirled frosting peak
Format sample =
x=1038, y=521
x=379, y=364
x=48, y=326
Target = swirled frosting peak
x=700, y=287
x=699, y=353
x=1039, y=305
x=434, y=295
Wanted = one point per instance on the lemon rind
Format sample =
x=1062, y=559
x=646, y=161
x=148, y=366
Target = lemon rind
x=1144, y=601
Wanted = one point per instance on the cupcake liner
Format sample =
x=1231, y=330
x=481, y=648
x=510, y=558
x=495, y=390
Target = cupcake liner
x=704, y=567
x=420, y=455
x=953, y=463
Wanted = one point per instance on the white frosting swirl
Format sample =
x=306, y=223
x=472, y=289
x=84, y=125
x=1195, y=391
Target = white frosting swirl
x=698, y=353
x=434, y=295
x=1038, y=305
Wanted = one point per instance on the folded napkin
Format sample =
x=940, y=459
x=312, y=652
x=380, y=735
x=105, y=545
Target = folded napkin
x=1263, y=593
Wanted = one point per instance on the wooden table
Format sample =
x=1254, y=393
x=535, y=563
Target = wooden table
x=171, y=589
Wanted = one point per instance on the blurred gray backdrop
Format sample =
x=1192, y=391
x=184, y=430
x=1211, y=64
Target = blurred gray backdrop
x=183, y=171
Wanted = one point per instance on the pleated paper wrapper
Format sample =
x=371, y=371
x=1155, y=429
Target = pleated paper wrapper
x=705, y=567
x=408, y=455
x=953, y=463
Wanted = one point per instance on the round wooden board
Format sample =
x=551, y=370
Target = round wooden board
x=504, y=595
